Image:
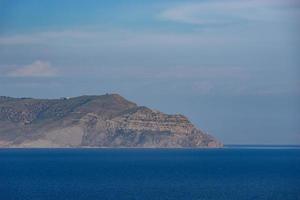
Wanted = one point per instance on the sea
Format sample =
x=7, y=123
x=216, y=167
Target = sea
x=233, y=172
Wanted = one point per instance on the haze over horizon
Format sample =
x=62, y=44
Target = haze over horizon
x=231, y=67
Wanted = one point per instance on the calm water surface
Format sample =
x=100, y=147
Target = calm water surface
x=216, y=174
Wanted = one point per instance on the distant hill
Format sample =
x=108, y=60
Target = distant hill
x=93, y=121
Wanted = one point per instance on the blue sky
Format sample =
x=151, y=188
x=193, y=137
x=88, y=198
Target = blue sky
x=231, y=66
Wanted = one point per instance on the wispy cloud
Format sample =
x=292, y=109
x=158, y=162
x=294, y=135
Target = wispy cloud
x=36, y=69
x=230, y=12
x=46, y=37
x=112, y=38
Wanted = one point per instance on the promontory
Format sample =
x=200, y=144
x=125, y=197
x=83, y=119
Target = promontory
x=94, y=121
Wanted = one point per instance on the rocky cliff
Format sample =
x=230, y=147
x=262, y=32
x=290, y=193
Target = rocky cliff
x=93, y=121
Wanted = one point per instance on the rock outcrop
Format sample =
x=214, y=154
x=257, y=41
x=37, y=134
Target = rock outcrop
x=94, y=121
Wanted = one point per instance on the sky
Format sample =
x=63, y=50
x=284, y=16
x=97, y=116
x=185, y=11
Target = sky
x=232, y=67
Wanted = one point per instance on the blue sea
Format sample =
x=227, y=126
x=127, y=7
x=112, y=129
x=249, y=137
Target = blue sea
x=127, y=174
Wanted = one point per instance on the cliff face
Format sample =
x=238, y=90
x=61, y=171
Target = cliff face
x=93, y=121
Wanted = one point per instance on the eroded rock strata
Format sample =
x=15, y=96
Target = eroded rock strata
x=94, y=121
